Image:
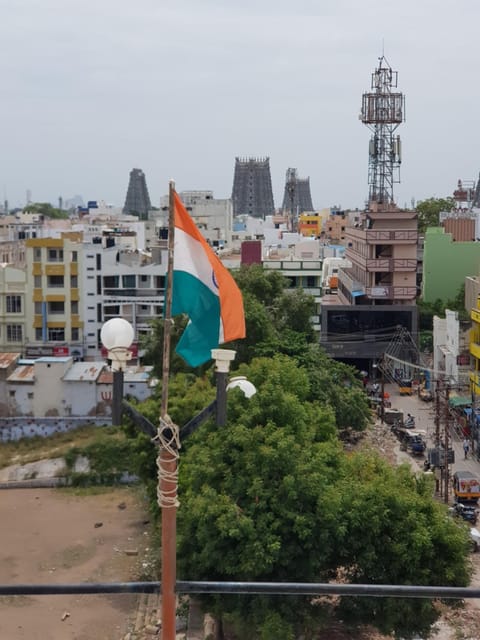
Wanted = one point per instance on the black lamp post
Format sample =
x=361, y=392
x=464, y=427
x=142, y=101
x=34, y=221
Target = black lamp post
x=117, y=336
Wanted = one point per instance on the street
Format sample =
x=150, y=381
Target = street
x=424, y=414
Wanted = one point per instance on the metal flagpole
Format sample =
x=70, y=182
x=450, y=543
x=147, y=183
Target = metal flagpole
x=169, y=441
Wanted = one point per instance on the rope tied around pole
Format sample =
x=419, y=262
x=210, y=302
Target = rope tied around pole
x=168, y=437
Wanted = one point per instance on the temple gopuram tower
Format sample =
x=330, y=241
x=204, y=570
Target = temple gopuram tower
x=252, y=192
x=137, y=201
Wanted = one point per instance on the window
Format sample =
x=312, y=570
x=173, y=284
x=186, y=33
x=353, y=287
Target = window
x=75, y=333
x=55, y=255
x=14, y=304
x=56, y=335
x=55, y=281
x=56, y=308
x=37, y=282
x=74, y=256
x=30, y=395
x=74, y=307
x=110, y=282
x=38, y=333
x=128, y=282
x=14, y=333
x=37, y=254
x=99, y=261
x=73, y=282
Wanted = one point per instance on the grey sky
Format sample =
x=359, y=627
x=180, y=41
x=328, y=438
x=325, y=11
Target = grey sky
x=179, y=88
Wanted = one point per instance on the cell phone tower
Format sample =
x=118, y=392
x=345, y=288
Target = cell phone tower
x=383, y=110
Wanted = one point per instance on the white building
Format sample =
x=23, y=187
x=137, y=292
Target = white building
x=213, y=216
x=451, y=344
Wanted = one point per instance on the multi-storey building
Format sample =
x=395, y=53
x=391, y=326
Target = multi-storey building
x=213, y=216
x=52, y=303
x=378, y=292
x=13, y=286
x=124, y=283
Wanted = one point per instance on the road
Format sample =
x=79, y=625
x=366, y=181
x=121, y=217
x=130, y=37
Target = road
x=424, y=414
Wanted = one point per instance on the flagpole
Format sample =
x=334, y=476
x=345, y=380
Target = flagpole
x=169, y=441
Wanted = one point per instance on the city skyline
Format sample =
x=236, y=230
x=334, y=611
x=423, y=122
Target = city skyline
x=92, y=90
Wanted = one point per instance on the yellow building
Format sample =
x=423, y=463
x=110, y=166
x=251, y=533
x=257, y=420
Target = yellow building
x=54, y=276
x=475, y=350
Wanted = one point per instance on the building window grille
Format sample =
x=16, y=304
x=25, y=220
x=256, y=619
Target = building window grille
x=14, y=304
x=14, y=333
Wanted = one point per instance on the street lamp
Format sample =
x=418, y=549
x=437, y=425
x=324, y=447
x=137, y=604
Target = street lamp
x=222, y=358
x=117, y=336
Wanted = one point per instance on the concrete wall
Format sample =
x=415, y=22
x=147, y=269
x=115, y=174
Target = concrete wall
x=18, y=428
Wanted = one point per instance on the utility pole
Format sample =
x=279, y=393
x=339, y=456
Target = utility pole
x=438, y=480
x=447, y=428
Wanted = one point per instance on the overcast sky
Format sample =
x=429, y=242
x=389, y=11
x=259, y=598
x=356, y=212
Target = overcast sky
x=179, y=88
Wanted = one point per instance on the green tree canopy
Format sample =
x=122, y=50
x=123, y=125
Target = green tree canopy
x=428, y=211
x=273, y=497
x=45, y=209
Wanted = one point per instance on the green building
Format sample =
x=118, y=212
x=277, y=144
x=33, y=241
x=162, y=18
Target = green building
x=446, y=264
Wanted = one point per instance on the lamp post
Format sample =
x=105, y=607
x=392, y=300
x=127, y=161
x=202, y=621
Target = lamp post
x=222, y=358
x=117, y=336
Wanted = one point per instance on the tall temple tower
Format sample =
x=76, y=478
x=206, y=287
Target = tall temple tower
x=383, y=110
x=252, y=192
x=297, y=197
x=137, y=201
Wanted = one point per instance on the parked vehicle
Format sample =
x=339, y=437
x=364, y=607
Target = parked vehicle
x=405, y=387
x=467, y=512
x=416, y=443
x=466, y=486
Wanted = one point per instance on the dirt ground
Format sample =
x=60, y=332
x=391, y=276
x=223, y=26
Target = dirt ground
x=52, y=536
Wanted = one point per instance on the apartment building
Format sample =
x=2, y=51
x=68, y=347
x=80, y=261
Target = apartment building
x=12, y=308
x=378, y=292
x=53, y=302
x=118, y=282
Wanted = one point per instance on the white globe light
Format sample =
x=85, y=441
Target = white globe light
x=243, y=384
x=117, y=333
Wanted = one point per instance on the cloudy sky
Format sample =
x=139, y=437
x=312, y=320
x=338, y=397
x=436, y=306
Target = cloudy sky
x=179, y=88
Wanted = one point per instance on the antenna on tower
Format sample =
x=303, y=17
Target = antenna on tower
x=383, y=110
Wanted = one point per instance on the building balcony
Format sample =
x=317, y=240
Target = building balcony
x=391, y=293
x=55, y=269
x=350, y=283
x=134, y=293
x=383, y=236
x=391, y=265
x=383, y=265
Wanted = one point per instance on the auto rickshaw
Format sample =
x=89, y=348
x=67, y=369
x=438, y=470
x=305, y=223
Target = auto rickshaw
x=405, y=387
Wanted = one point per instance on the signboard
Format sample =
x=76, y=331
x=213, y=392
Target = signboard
x=60, y=351
x=38, y=352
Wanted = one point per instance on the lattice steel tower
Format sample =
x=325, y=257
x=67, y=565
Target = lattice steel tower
x=383, y=110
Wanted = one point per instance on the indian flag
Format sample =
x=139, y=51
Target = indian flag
x=204, y=290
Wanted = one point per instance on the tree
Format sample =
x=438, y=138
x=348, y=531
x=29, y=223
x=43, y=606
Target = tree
x=428, y=211
x=273, y=497
x=45, y=209
x=395, y=533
